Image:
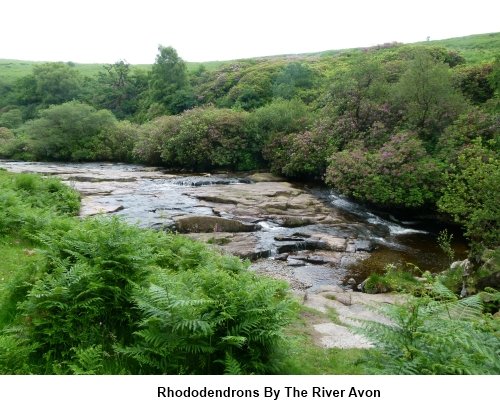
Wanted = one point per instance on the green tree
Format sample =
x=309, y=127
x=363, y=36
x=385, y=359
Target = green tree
x=11, y=119
x=494, y=80
x=471, y=196
x=57, y=83
x=119, y=89
x=427, y=94
x=169, y=80
x=294, y=76
x=66, y=131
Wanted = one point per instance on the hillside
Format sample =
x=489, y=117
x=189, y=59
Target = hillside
x=475, y=48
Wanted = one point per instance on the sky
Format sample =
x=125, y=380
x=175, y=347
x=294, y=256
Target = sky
x=106, y=31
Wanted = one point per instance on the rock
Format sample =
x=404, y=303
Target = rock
x=282, y=257
x=266, y=177
x=295, y=221
x=287, y=247
x=270, y=200
x=243, y=245
x=325, y=258
x=329, y=289
x=321, y=241
x=298, y=257
x=295, y=263
x=492, y=280
x=204, y=223
x=365, y=245
x=456, y=265
x=251, y=220
x=94, y=209
x=281, y=238
x=337, y=336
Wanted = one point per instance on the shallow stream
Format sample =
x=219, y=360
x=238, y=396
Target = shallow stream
x=152, y=197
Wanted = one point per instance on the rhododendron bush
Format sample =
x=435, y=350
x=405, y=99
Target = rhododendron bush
x=400, y=173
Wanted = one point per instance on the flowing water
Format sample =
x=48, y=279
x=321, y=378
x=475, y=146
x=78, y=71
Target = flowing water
x=152, y=197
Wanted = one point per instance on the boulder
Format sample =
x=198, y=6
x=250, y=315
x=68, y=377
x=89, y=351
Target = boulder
x=243, y=245
x=205, y=223
x=365, y=245
x=321, y=241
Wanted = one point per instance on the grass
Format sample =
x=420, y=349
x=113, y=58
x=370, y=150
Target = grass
x=12, y=69
x=475, y=48
x=306, y=357
x=16, y=254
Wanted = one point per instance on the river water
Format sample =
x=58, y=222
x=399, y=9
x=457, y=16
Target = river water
x=150, y=197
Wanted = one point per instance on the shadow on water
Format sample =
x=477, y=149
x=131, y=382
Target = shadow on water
x=410, y=240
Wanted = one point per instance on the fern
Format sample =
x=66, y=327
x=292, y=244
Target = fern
x=440, y=335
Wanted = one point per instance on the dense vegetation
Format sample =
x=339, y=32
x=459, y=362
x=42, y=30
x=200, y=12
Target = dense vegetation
x=101, y=296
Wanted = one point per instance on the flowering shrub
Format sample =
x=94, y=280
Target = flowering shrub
x=299, y=154
x=466, y=128
x=201, y=138
x=400, y=173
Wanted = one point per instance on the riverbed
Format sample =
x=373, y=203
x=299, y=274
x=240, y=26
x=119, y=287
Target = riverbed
x=310, y=234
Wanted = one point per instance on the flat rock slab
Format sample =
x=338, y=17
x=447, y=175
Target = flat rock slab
x=341, y=337
x=206, y=223
x=243, y=245
x=270, y=200
x=352, y=308
x=91, y=208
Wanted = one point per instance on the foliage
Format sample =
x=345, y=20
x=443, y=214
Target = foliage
x=282, y=116
x=66, y=132
x=395, y=278
x=28, y=202
x=444, y=242
x=398, y=174
x=471, y=196
x=11, y=119
x=120, y=89
x=115, y=143
x=56, y=83
x=104, y=297
x=474, y=82
x=299, y=154
x=202, y=138
x=440, y=335
x=466, y=128
x=227, y=321
x=425, y=91
x=169, y=81
x=294, y=77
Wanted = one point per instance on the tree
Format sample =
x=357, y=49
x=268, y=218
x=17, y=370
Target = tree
x=471, y=196
x=119, y=90
x=11, y=119
x=426, y=92
x=67, y=131
x=295, y=75
x=169, y=80
x=57, y=83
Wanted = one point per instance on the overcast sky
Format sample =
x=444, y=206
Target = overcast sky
x=105, y=31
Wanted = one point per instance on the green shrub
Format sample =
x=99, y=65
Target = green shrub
x=202, y=138
x=441, y=335
x=398, y=174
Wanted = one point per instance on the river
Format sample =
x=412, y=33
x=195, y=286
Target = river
x=152, y=197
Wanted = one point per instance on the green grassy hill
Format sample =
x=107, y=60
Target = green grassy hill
x=475, y=48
